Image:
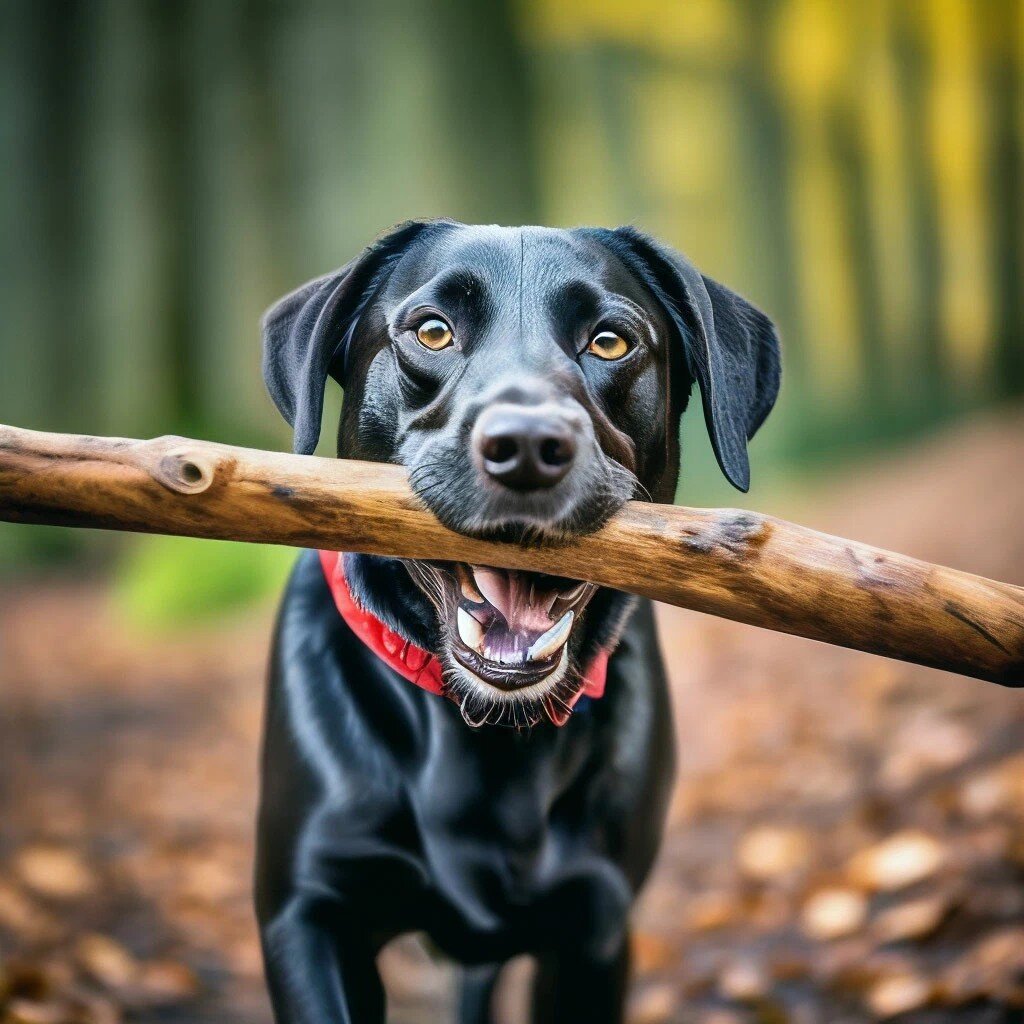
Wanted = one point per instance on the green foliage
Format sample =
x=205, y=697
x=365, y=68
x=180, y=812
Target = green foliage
x=38, y=546
x=167, y=582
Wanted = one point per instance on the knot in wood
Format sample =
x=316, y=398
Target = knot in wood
x=187, y=471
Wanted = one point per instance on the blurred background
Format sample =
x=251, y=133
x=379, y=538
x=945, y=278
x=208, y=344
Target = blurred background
x=848, y=834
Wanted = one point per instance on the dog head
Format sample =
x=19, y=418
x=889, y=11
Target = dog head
x=531, y=380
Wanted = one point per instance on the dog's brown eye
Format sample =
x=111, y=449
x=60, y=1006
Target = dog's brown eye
x=434, y=334
x=608, y=345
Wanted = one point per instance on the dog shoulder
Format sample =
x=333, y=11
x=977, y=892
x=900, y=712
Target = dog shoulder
x=328, y=691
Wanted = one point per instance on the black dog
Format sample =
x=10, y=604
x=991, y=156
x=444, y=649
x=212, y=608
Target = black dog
x=531, y=380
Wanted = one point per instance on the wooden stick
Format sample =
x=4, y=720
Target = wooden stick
x=740, y=565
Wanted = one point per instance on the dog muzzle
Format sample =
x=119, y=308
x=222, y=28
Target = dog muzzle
x=421, y=667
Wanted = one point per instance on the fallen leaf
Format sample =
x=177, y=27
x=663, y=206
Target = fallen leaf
x=162, y=982
x=984, y=795
x=55, y=871
x=743, y=981
x=915, y=919
x=833, y=913
x=209, y=879
x=654, y=1004
x=20, y=915
x=992, y=964
x=899, y=993
x=770, y=851
x=106, y=960
x=28, y=1011
x=1002, y=950
x=897, y=862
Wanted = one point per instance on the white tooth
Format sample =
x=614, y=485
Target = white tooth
x=491, y=585
x=546, y=645
x=470, y=631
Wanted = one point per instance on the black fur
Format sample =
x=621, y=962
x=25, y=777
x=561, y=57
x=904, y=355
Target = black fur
x=382, y=811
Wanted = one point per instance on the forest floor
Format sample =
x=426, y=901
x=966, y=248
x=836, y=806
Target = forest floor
x=846, y=840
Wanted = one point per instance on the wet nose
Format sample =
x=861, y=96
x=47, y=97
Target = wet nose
x=525, y=448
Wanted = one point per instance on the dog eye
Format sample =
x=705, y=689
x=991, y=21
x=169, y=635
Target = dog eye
x=608, y=345
x=434, y=334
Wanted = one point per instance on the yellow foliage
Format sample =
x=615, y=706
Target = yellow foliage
x=710, y=29
x=956, y=132
x=811, y=49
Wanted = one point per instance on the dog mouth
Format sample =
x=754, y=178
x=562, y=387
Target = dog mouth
x=511, y=627
x=508, y=629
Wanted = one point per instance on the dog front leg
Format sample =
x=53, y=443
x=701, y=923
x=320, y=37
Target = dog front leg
x=573, y=988
x=319, y=970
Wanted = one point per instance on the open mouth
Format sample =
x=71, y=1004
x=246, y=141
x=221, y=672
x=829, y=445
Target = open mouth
x=511, y=627
x=508, y=629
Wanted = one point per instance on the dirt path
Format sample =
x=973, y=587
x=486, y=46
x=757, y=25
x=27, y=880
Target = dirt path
x=847, y=837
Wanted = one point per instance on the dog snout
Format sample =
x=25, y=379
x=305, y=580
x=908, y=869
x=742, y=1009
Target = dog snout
x=525, y=448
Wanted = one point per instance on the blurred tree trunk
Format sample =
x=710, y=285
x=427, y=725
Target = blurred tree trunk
x=915, y=72
x=489, y=91
x=176, y=331
x=126, y=378
x=768, y=172
x=26, y=384
x=1006, y=85
x=56, y=148
x=233, y=280
x=850, y=159
x=813, y=55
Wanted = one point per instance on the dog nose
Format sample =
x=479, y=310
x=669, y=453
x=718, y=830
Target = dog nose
x=525, y=448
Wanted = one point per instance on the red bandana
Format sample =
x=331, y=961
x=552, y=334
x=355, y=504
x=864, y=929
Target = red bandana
x=408, y=660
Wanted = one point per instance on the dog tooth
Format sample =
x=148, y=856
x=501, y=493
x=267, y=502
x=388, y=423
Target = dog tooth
x=468, y=586
x=470, y=631
x=554, y=638
x=492, y=586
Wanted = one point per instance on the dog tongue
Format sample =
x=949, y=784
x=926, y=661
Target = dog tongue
x=524, y=606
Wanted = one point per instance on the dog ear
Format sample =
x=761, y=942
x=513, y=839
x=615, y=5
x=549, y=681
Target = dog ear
x=306, y=334
x=732, y=348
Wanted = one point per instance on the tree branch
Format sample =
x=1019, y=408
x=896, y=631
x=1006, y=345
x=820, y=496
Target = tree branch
x=727, y=562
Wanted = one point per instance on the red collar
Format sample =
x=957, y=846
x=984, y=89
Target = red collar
x=408, y=660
